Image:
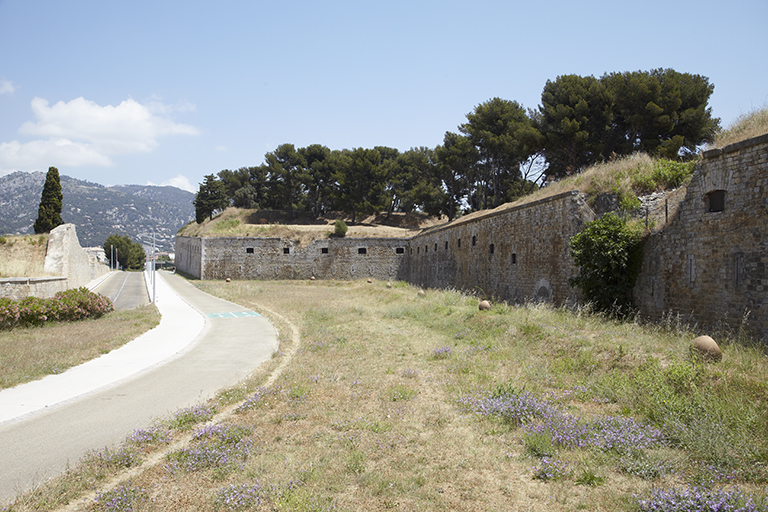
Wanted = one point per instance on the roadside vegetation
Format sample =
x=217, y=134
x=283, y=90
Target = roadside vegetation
x=384, y=399
x=30, y=353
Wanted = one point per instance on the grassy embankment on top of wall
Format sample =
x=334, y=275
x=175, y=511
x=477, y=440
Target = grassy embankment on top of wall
x=749, y=125
x=235, y=222
x=626, y=178
x=23, y=256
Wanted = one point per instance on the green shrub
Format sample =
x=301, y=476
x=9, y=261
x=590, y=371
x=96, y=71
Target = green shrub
x=608, y=252
x=66, y=306
x=666, y=174
x=339, y=228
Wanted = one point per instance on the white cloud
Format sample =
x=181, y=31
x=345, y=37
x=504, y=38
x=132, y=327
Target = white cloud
x=222, y=148
x=179, y=181
x=43, y=153
x=6, y=86
x=81, y=132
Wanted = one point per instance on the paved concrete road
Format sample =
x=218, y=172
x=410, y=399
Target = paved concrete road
x=126, y=290
x=39, y=445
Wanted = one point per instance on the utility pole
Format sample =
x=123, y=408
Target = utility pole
x=153, y=262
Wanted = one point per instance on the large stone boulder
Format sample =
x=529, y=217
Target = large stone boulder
x=707, y=347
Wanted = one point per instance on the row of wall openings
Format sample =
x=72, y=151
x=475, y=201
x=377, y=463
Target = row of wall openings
x=324, y=250
x=398, y=250
x=491, y=248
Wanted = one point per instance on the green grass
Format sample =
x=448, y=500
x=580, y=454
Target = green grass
x=359, y=413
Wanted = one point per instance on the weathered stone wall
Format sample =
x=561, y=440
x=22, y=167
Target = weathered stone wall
x=72, y=265
x=710, y=266
x=17, y=288
x=65, y=257
x=276, y=258
x=189, y=255
x=517, y=254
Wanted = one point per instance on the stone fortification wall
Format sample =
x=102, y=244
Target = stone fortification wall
x=72, y=265
x=517, y=254
x=276, y=258
x=64, y=257
x=189, y=255
x=710, y=264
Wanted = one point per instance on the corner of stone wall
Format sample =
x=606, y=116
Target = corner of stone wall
x=65, y=257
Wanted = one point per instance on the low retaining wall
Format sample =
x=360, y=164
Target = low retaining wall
x=17, y=288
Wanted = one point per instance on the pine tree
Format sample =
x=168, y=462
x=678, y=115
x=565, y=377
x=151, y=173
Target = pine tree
x=49, y=212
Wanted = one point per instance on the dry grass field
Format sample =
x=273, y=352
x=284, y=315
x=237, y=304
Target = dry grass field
x=23, y=255
x=381, y=399
x=27, y=354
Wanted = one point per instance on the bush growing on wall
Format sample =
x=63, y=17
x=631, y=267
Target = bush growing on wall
x=609, y=254
x=339, y=228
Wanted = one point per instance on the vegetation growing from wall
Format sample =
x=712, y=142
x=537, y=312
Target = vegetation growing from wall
x=609, y=254
x=340, y=228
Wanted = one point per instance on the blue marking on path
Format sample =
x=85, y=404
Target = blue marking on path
x=233, y=314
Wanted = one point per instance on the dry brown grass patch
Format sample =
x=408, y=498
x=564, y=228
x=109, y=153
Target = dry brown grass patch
x=31, y=353
x=23, y=256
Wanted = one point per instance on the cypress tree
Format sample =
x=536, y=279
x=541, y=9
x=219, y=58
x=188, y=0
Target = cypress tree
x=49, y=212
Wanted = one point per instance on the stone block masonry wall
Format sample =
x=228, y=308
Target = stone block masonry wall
x=710, y=265
x=64, y=258
x=517, y=254
x=17, y=288
x=189, y=254
x=276, y=258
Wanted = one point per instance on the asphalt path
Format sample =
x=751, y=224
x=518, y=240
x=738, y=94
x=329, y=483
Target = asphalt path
x=126, y=290
x=38, y=445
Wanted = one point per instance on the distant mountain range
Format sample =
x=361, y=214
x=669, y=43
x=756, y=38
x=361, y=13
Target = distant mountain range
x=98, y=211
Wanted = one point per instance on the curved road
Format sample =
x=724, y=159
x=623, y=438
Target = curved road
x=39, y=445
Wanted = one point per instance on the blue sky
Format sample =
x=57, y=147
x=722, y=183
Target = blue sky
x=165, y=92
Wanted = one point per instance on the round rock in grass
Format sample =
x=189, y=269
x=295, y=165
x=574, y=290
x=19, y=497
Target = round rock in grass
x=421, y=293
x=228, y=279
x=484, y=305
x=708, y=347
x=389, y=285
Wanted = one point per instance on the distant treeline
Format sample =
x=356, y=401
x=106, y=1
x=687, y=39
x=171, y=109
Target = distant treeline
x=503, y=151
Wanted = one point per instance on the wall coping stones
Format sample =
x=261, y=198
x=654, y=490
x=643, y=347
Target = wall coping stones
x=506, y=211
x=28, y=280
x=730, y=148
